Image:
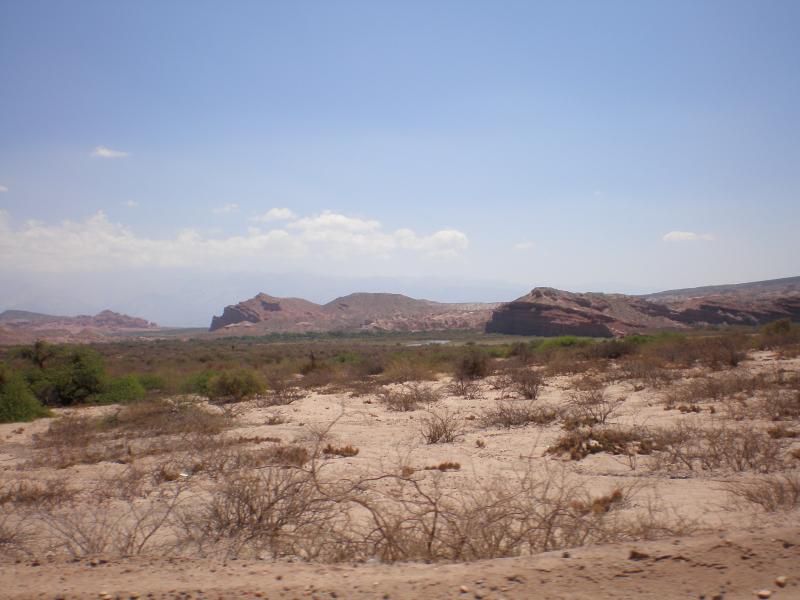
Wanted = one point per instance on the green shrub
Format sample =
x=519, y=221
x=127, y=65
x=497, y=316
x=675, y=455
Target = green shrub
x=17, y=402
x=152, y=382
x=198, y=383
x=235, y=386
x=73, y=376
x=121, y=390
x=563, y=341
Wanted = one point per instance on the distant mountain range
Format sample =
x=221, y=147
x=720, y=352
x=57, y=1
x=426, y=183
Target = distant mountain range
x=22, y=327
x=355, y=312
x=542, y=312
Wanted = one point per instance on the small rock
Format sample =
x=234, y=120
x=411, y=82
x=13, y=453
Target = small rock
x=565, y=555
x=781, y=581
x=763, y=593
x=463, y=589
x=636, y=555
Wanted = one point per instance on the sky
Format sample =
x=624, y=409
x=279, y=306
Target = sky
x=167, y=158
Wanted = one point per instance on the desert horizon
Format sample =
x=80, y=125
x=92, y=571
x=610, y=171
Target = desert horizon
x=400, y=300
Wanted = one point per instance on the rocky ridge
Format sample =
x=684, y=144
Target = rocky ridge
x=354, y=312
x=22, y=327
x=548, y=312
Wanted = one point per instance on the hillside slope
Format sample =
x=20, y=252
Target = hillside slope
x=549, y=312
x=24, y=327
x=354, y=312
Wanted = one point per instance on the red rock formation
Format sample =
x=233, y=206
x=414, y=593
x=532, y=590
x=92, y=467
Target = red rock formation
x=360, y=311
x=549, y=312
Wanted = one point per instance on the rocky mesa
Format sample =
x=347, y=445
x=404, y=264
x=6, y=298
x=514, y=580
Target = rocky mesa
x=550, y=312
x=354, y=312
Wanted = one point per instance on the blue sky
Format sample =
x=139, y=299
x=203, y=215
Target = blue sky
x=154, y=151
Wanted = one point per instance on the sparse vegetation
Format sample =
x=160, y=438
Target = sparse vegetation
x=441, y=426
x=179, y=474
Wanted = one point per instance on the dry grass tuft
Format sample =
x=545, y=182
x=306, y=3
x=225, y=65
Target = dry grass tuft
x=344, y=451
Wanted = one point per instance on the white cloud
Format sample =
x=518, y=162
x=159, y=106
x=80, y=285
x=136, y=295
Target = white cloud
x=3, y=189
x=226, y=208
x=325, y=239
x=131, y=204
x=687, y=236
x=523, y=245
x=275, y=214
x=105, y=152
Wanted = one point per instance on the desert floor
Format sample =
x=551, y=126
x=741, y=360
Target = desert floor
x=717, y=548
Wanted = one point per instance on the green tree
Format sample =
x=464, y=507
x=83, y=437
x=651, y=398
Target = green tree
x=72, y=376
x=121, y=390
x=17, y=402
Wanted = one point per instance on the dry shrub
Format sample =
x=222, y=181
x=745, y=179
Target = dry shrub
x=564, y=362
x=580, y=443
x=402, y=369
x=445, y=466
x=280, y=392
x=408, y=397
x=533, y=512
x=29, y=492
x=599, y=504
x=292, y=455
x=518, y=413
x=475, y=364
x=779, y=334
x=650, y=371
x=274, y=510
x=525, y=382
x=465, y=387
x=718, y=388
x=441, y=426
x=220, y=461
x=689, y=446
x=289, y=511
x=780, y=405
x=722, y=351
x=591, y=406
x=121, y=516
x=769, y=494
x=146, y=428
x=345, y=451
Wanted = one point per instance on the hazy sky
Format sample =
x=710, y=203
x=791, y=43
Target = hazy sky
x=167, y=158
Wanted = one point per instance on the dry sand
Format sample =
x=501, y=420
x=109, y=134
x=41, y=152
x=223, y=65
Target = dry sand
x=735, y=554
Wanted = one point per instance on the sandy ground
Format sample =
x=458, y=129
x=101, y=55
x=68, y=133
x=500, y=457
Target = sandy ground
x=736, y=554
x=729, y=565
